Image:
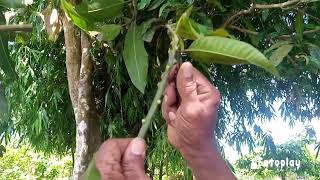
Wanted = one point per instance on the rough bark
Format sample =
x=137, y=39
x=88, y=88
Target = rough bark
x=80, y=72
x=73, y=59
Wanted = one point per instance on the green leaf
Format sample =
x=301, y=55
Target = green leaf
x=100, y=10
x=277, y=45
x=92, y=172
x=265, y=14
x=76, y=18
x=220, y=50
x=222, y=32
x=143, y=4
x=146, y=25
x=185, y=26
x=279, y=54
x=315, y=53
x=299, y=24
x=155, y=4
x=109, y=31
x=5, y=63
x=217, y=3
x=136, y=57
x=4, y=108
x=12, y=3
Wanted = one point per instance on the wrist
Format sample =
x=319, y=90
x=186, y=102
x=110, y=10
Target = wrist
x=206, y=162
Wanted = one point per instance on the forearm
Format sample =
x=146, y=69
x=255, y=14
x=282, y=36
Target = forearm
x=208, y=164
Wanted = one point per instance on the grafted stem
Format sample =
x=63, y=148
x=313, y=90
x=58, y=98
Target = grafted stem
x=157, y=98
x=162, y=84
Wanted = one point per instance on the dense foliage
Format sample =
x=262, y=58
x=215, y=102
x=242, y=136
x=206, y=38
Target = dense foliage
x=25, y=163
x=40, y=110
x=292, y=150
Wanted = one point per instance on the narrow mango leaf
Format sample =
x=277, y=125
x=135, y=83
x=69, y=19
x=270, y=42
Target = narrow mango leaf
x=12, y=3
x=279, y=54
x=222, y=32
x=155, y=4
x=220, y=50
x=143, y=4
x=100, y=10
x=92, y=172
x=299, y=24
x=136, y=57
x=76, y=18
x=199, y=28
x=146, y=25
x=185, y=27
x=4, y=108
x=109, y=31
x=5, y=63
x=277, y=45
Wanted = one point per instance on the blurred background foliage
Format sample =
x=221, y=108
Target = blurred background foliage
x=26, y=163
x=40, y=110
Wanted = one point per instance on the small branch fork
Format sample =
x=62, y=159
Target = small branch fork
x=255, y=6
x=247, y=31
x=285, y=5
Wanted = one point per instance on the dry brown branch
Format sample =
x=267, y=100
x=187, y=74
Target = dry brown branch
x=253, y=7
x=12, y=28
x=247, y=31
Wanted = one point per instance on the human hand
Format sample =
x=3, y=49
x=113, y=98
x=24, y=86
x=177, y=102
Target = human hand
x=122, y=159
x=192, y=121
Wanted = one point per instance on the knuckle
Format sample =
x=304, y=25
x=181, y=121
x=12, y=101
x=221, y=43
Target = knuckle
x=192, y=111
x=133, y=169
x=191, y=86
x=110, y=142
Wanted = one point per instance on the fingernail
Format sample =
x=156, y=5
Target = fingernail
x=165, y=98
x=138, y=147
x=187, y=73
x=172, y=116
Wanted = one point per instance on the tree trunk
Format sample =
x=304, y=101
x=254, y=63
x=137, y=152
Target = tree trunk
x=80, y=71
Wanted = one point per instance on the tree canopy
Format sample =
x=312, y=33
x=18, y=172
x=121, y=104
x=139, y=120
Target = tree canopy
x=128, y=43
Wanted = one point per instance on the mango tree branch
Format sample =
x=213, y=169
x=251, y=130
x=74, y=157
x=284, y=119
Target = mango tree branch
x=247, y=31
x=157, y=99
x=146, y=123
x=12, y=28
x=254, y=7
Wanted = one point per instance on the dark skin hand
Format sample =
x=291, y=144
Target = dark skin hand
x=190, y=109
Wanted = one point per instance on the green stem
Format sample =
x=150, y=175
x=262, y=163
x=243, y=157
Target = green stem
x=157, y=99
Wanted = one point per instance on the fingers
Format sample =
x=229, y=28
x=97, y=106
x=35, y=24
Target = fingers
x=108, y=158
x=186, y=82
x=133, y=160
x=205, y=89
x=169, y=104
x=172, y=74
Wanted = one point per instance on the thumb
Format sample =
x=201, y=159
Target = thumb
x=186, y=83
x=133, y=160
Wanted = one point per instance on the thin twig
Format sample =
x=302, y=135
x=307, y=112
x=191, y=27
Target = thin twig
x=254, y=6
x=247, y=31
x=21, y=28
